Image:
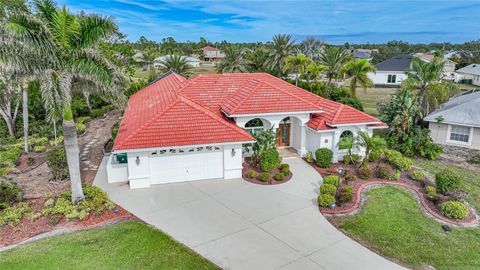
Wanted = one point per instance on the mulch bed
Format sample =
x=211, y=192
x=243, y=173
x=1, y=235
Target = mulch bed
x=247, y=165
x=30, y=161
x=359, y=185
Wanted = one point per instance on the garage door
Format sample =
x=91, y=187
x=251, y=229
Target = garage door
x=186, y=166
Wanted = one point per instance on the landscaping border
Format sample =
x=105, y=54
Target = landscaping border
x=423, y=203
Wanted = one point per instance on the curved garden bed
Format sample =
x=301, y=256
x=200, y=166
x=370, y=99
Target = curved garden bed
x=248, y=167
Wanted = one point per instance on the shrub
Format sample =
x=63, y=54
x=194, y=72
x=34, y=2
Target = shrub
x=279, y=176
x=454, y=209
x=270, y=160
x=57, y=162
x=325, y=200
x=418, y=175
x=251, y=174
x=285, y=171
x=384, y=171
x=352, y=159
x=38, y=141
x=345, y=194
x=309, y=157
x=263, y=176
x=324, y=157
x=365, y=172
x=375, y=155
x=9, y=193
x=397, y=159
x=431, y=192
x=395, y=175
x=328, y=189
x=13, y=215
x=80, y=127
x=332, y=180
x=447, y=179
x=9, y=156
x=39, y=148
x=350, y=178
x=475, y=159
x=95, y=113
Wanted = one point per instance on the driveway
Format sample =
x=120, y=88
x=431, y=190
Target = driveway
x=239, y=225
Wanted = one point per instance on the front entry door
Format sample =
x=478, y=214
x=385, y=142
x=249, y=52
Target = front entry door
x=284, y=134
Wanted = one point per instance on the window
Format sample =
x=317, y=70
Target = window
x=122, y=158
x=346, y=133
x=254, y=126
x=460, y=134
x=392, y=78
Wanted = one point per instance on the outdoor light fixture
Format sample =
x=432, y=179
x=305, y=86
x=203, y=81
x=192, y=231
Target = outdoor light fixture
x=137, y=160
x=233, y=152
x=340, y=170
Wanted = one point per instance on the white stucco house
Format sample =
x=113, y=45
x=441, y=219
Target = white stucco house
x=192, y=61
x=457, y=122
x=179, y=129
x=469, y=74
x=391, y=72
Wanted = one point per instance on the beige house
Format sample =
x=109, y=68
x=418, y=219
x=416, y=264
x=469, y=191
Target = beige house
x=457, y=122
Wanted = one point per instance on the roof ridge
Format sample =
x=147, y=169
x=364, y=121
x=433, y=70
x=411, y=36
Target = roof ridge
x=291, y=94
x=249, y=93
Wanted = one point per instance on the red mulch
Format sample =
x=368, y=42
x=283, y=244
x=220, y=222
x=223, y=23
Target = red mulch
x=247, y=165
x=26, y=229
x=30, y=161
x=405, y=181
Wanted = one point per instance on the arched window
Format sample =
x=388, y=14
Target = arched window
x=346, y=133
x=254, y=126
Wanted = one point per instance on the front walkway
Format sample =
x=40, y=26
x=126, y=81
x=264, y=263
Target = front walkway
x=239, y=225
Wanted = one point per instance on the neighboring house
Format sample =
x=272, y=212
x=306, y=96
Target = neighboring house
x=391, y=72
x=212, y=54
x=469, y=74
x=177, y=130
x=448, y=72
x=192, y=61
x=362, y=55
x=457, y=122
x=138, y=57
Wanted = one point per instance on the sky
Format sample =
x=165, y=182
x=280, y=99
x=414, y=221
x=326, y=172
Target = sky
x=334, y=21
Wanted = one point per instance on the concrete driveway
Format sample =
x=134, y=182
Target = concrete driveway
x=238, y=225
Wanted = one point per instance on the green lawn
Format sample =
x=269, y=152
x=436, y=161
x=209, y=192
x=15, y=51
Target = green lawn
x=470, y=183
x=129, y=245
x=374, y=96
x=393, y=224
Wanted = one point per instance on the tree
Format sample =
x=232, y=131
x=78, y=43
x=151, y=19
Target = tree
x=314, y=71
x=177, y=64
x=357, y=72
x=297, y=64
x=258, y=60
x=400, y=112
x=282, y=46
x=369, y=144
x=234, y=61
x=311, y=47
x=347, y=143
x=79, y=59
x=10, y=96
x=333, y=58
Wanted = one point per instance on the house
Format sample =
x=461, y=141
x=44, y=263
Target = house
x=469, y=74
x=212, y=54
x=457, y=122
x=362, y=55
x=391, y=72
x=448, y=71
x=192, y=61
x=179, y=129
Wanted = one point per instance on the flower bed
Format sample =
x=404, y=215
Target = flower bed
x=405, y=180
x=248, y=168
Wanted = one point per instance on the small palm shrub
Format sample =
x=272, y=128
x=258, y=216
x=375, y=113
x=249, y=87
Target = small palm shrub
x=270, y=160
x=352, y=159
x=309, y=157
x=446, y=180
x=251, y=174
x=350, y=178
x=332, y=180
x=9, y=193
x=375, y=155
x=395, y=175
x=279, y=176
x=384, y=171
x=365, y=172
x=57, y=162
x=431, y=192
x=328, y=189
x=325, y=200
x=454, y=209
x=263, y=176
x=397, y=159
x=418, y=175
x=345, y=194
x=285, y=169
x=324, y=157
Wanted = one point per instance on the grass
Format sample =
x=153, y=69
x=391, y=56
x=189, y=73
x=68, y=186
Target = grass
x=374, y=96
x=470, y=178
x=393, y=224
x=129, y=245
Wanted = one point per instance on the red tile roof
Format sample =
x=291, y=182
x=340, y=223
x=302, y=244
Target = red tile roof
x=209, y=48
x=174, y=111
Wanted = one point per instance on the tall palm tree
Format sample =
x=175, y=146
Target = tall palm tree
x=177, y=64
x=297, y=64
x=282, y=46
x=357, y=72
x=314, y=71
x=333, y=58
x=234, y=61
x=258, y=60
x=79, y=59
x=311, y=47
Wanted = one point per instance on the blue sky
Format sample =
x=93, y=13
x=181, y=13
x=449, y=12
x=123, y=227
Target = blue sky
x=335, y=21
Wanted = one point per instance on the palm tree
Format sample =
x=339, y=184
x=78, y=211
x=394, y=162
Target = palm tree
x=297, y=64
x=282, y=46
x=357, y=72
x=347, y=143
x=177, y=64
x=314, y=71
x=234, y=61
x=79, y=59
x=311, y=47
x=369, y=144
x=258, y=60
x=333, y=58
x=10, y=92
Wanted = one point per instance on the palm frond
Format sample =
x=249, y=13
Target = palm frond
x=93, y=28
x=46, y=9
x=55, y=89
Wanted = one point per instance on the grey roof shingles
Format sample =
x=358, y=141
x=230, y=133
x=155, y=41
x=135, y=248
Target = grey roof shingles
x=397, y=63
x=463, y=110
x=470, y=69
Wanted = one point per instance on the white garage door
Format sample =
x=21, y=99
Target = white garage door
x=186, y=166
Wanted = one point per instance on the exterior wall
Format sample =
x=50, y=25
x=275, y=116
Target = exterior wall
x=116, y=172
x=381, y=77
x=462, y=76
x=476, y=80
x=440, y=134
x=213, y=54
x=139, y=174
x=232, y=161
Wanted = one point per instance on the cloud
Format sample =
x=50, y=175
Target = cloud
x=142, y=5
